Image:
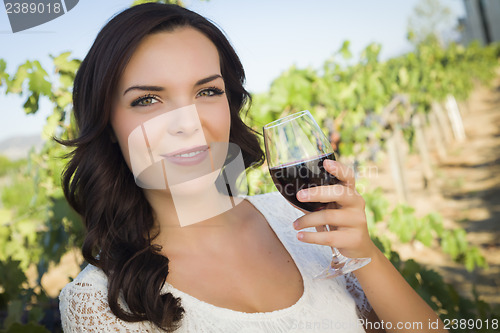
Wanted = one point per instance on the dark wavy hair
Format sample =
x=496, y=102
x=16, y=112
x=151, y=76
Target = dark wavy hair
x=99, y=185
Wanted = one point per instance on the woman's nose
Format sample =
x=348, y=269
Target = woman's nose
x=184, y=121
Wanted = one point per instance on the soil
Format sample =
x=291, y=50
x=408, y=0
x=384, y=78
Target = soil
x=465, y=190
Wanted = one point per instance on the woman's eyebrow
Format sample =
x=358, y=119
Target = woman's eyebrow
x=158, y=88
x=208, y=79
x=143, y=88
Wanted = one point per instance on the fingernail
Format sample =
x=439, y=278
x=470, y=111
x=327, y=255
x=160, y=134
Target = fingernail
x=295, y=225
x=300, y=236
x=302, y=195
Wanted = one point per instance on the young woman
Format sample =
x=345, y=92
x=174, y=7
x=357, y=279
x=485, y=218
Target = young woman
x=243, y=270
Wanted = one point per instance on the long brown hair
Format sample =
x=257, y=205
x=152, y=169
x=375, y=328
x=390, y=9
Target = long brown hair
x=99, y=185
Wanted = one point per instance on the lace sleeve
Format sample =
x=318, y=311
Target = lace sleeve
x=85, y=308
x=354, y=288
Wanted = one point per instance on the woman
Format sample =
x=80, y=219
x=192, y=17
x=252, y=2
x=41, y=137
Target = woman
x=242, y=269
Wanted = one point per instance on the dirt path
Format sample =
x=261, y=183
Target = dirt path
x=466, y=192
x=472, y=192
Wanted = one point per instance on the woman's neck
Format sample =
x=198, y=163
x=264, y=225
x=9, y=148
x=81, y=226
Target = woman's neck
x=190, y=221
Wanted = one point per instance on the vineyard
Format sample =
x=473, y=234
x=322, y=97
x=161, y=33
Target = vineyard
x=381, y=114
x=398, y=122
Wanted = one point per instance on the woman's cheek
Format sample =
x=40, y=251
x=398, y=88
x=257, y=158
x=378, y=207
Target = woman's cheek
x=222, y=117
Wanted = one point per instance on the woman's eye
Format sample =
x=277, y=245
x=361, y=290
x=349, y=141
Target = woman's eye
x=210, y=92
x=145, y=101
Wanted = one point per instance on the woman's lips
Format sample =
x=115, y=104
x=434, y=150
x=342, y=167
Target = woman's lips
x=191, y=156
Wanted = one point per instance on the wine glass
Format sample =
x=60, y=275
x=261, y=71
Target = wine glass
x=295, y=150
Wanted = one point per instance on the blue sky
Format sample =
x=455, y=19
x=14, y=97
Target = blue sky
x=269, y=36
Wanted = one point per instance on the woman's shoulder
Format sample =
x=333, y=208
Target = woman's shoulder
x=90, y=279
x=84, y=306
x=89, y=288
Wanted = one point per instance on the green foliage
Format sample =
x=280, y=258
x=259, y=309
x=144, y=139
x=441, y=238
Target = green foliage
x=402, y=222
x=35, y=77
x=7, y=166
x=427, y=230
x=350, y=100
x=16, y=297
x=37, y=226
x=4, y=77
x=443, y=298
x=11, y=278
x=409, y=228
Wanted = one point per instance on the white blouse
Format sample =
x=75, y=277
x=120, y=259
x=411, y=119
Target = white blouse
x=331, y=305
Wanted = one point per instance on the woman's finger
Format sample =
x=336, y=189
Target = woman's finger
x=343, y=195
x=351, y=243
x=338, y=238
x=335, y=218
x=342, y=172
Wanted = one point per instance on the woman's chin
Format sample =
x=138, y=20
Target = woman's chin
x=203, y=185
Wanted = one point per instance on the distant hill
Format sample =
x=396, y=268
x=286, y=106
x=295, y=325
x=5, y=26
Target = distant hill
x=18, y=146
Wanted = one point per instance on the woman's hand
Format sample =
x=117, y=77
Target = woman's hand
x=391, y=297
x=345, y=215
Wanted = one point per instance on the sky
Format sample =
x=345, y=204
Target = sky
x=268, y=35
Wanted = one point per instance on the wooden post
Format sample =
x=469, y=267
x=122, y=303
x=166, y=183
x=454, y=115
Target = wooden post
x=422, y=149
x=396, y=162
x=455, y=118
x=442, y=121
x=438, y=136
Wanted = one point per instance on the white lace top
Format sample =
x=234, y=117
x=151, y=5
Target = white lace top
x=332, y=305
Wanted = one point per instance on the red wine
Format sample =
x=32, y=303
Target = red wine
x=291, y=178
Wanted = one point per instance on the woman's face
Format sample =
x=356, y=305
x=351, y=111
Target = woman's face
x=171, y=109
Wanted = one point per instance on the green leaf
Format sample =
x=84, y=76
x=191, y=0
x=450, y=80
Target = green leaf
x=461, y=240
x=473, y=259
x=64, y=65
x=3, y=66
x=16, y=84
x=11, y=279
x=62, y=209
x=410, y=271
x=435, y=221
x=5, y=216
x=344, y=50
x=403, y=76
x=4, y=77
x=403, y=223
x=31, y=104
x=15, y=312
x=449, y=244
x=36, y=314
x=49, y=130
x=425, y=235
x=38, y=82
x=66, y=80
